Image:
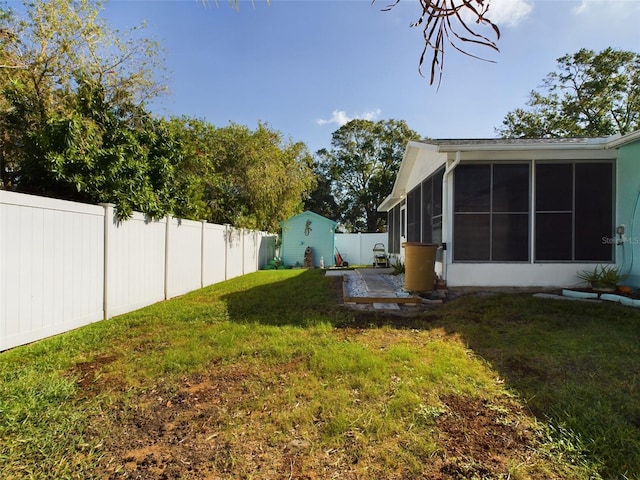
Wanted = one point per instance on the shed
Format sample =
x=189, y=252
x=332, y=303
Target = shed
x=308, y=230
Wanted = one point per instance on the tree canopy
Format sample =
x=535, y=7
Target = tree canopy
x=232, y=174
x=321, y=200
x=94, y=151
x=590, y=94
x=362, y=164
x=74, y=125
x=72, y=94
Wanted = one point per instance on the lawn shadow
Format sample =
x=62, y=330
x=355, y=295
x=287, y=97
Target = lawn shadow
x=301, y=298
x=574, y=364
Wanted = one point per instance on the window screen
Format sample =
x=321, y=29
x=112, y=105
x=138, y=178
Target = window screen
x=491, y=212
x=574, y=211
x=414, y=201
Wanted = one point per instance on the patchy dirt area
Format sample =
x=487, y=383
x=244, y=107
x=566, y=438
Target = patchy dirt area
x=208, y=428
x=90, y=380
x=480, y=440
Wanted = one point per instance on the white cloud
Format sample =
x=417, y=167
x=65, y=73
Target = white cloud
x=509, y=12
x=606, y=8
x=581, y=8
x=340, y=117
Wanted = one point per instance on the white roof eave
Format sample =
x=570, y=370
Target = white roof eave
x=620, y=140
x=523, y=147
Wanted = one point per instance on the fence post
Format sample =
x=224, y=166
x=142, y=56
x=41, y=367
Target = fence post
x=204, y=223
x=226, y=251
x=167, y=256
x=243, y=234
x=108, y=222
x=256, y=249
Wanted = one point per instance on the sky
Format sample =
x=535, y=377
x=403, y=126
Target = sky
x=306, y=67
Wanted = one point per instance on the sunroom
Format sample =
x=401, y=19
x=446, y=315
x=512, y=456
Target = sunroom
x=518, y=212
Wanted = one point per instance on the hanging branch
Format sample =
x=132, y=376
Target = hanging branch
x=438, y=29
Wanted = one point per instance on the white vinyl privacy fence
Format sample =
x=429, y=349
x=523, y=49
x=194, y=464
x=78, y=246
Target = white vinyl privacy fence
x=65, y=264
x=357, y=248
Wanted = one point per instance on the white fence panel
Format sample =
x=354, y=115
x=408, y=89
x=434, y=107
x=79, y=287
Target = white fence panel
x=213, y=262
x=357, y=248
x=266, y=248
x=51, y=267
x=184, y=262
x=135, y=262
x=250, y=256
x=234, y=251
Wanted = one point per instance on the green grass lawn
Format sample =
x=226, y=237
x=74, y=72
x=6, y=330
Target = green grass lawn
x=264, y=377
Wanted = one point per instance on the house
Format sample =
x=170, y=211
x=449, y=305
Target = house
x=308, y=230
x=520, y=212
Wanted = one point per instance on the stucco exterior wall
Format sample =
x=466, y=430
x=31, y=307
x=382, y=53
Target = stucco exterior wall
x=545, y=275
x=628, y=211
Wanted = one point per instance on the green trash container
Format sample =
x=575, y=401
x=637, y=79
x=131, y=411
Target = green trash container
x=419, y=266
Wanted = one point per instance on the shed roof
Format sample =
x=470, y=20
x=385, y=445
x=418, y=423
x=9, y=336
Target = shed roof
x=309, y=213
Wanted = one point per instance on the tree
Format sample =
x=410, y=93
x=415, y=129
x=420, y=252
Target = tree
x=590, y=94
x=197, y=174
x=60, y=39
x=49, y=61
x=98, y=152
x=234, y=175
x=321, y=199
x=363, y=162
x=265, y=178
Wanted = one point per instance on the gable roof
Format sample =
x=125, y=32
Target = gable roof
x=309, y=213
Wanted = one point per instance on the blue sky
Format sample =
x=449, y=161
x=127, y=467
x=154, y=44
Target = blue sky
x=307, y=66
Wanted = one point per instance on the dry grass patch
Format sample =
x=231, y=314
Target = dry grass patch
x=327, y=415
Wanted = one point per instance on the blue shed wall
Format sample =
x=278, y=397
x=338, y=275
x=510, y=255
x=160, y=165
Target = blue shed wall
x=628, y=211
x=320, y=238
